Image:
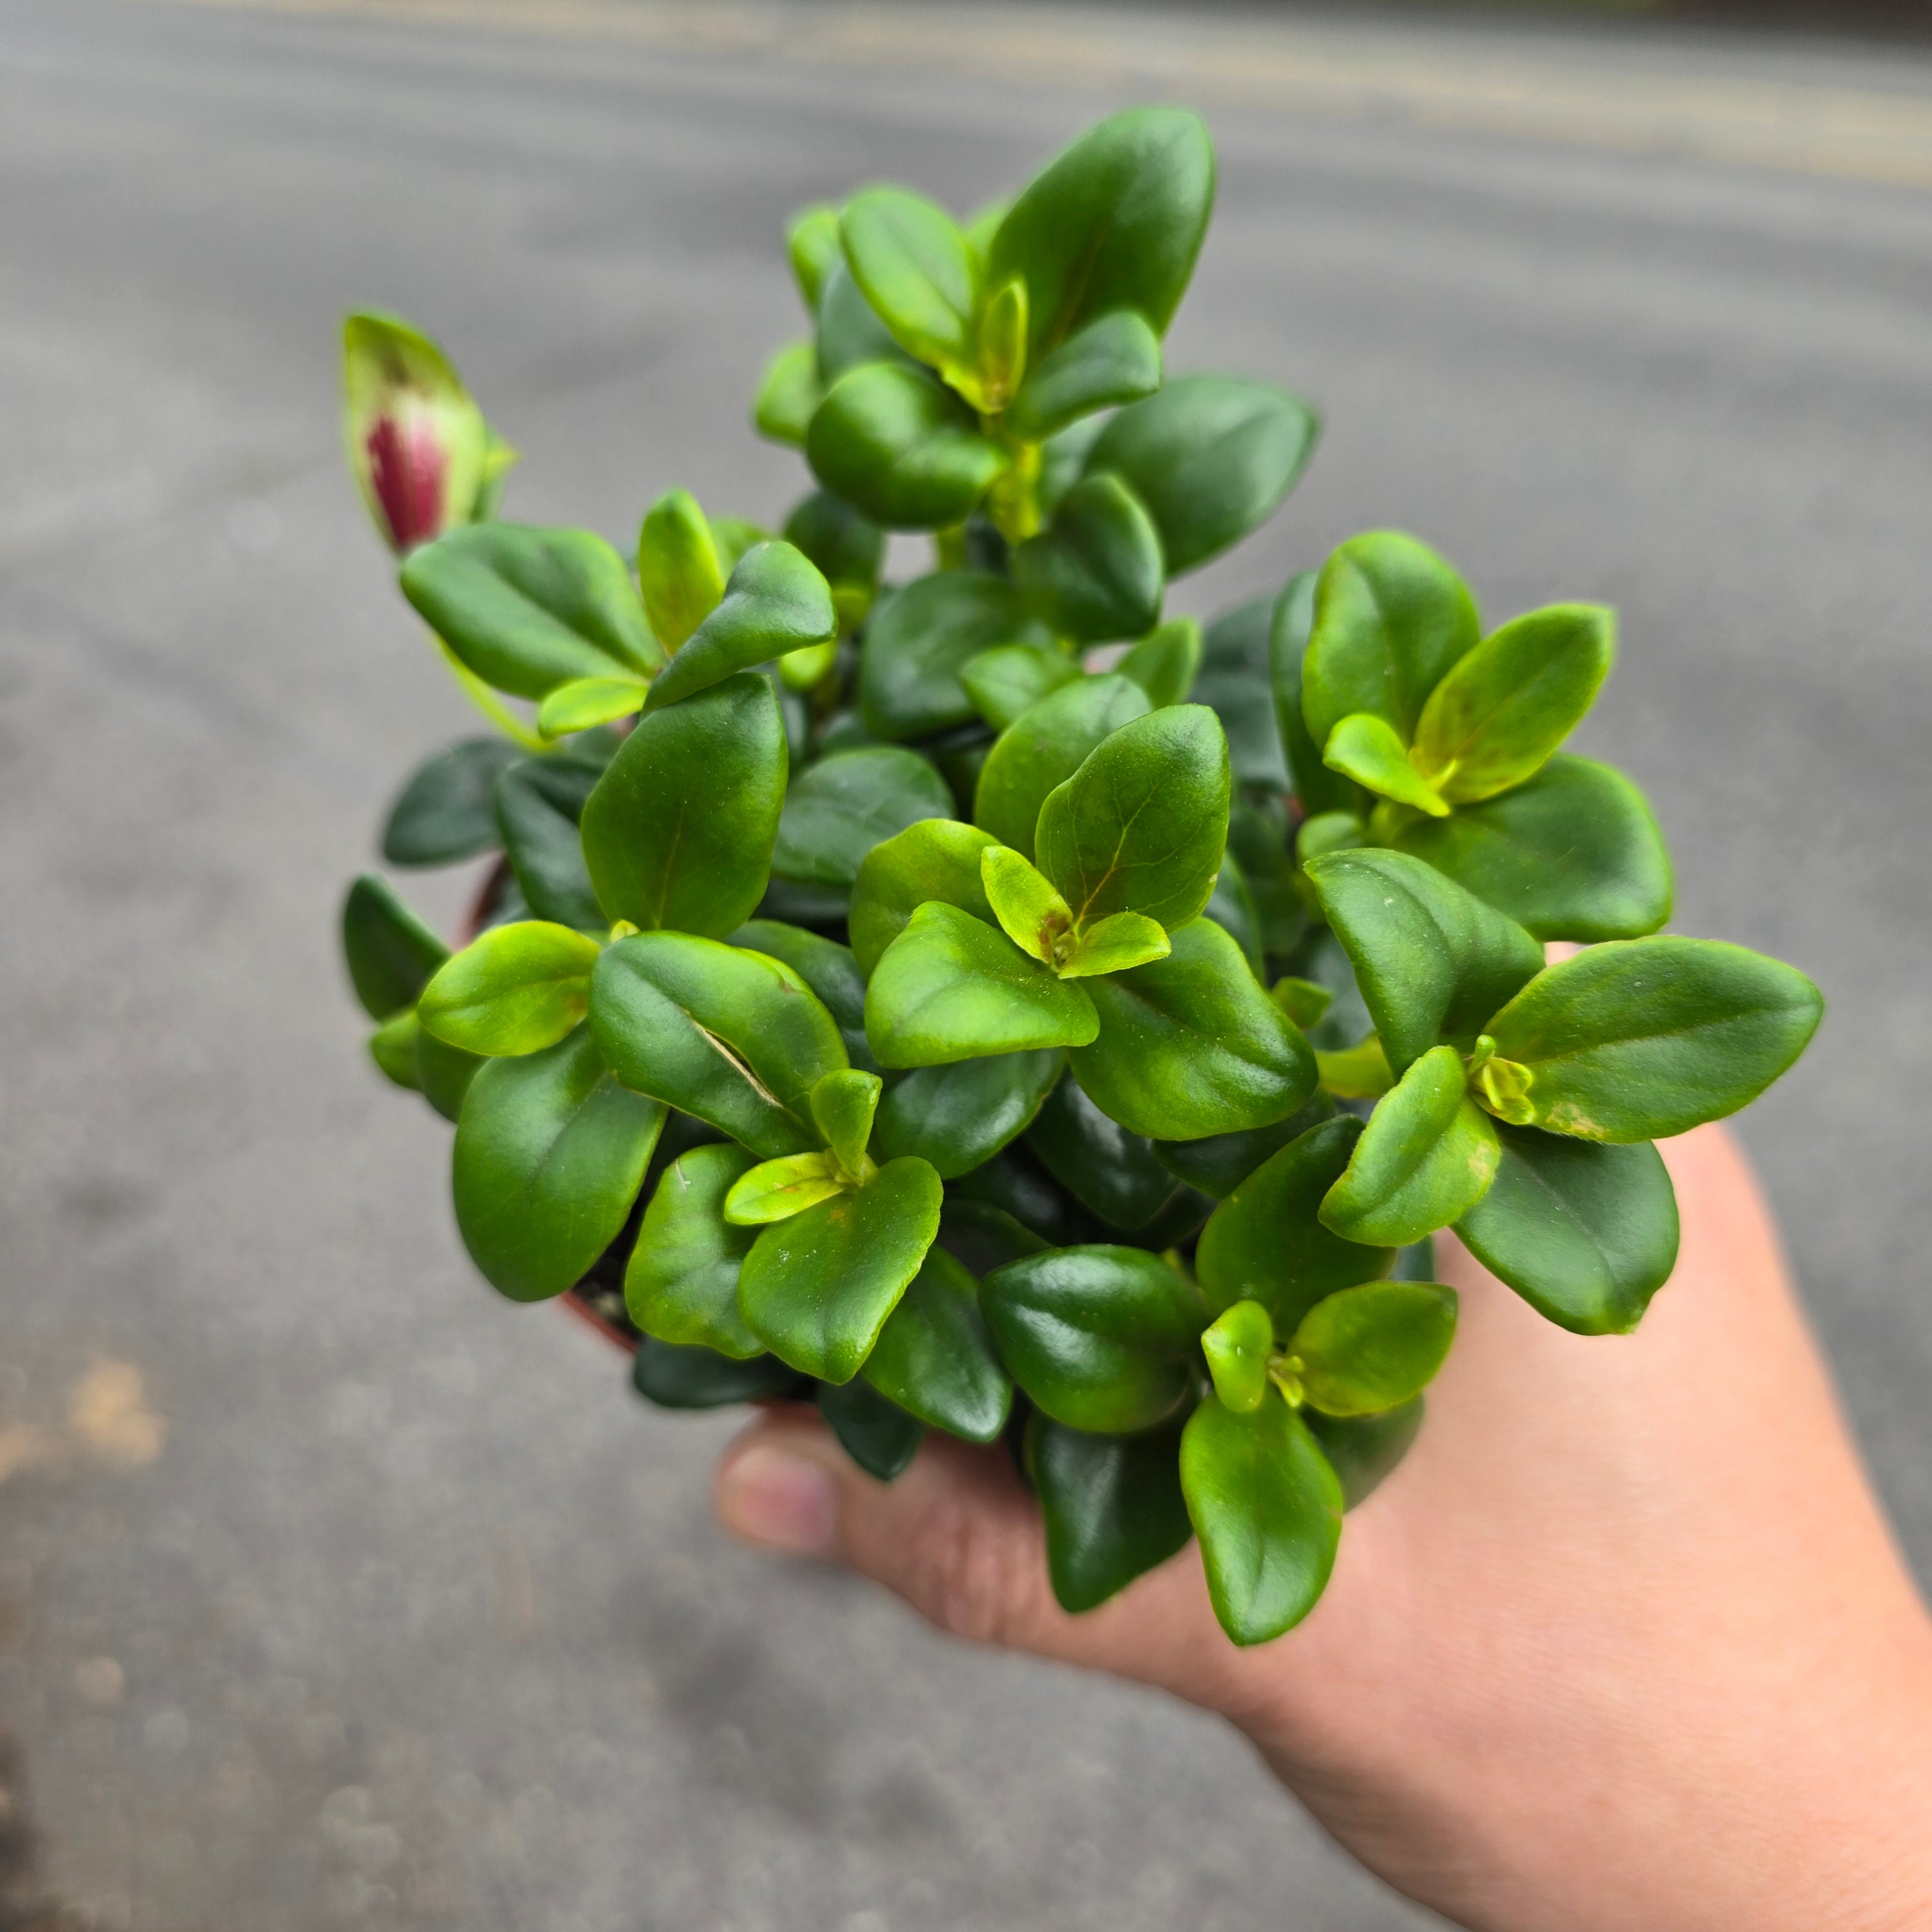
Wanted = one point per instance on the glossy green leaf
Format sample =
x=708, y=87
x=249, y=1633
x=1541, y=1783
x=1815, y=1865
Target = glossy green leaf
x=1433, y=962
x=1217, y=1164
x=1115, y=358
x=1364, y=1451
x=908, y=256
x=936, y=858
x=1232, y=681
x=897, y=444
x=878, y=1435
x=1586, y=1233
x=674, y=1376
x=1290, y=621
x=1268, y=1508
x=390, y=953
x=1266, y=1242
x=528, y=609
x=1572, y=853
x=1426, y=1158
x=775, y=602
x=827, y=968
x=550, y=1151
x=1005, y=681
x=934, y=1358
x=1104, y=1338
x=445, y=812
x=1140, y=827
x=1366, y=748
x=951, y=987
x=392, y=1046
x=680, y=830
x=843, y=1105
x=817, y=1289
x=678, y=569
x=1391, y=618
x=1095, y=572
x=812, y=243
x=1115, y=222
x=788, y=395
x=849, y=551
x=1096, y=1160
x=539, y=803
x=1112, y=1507
x=1211, y=457
x=1190, y=1044
x=1030, y=912
x=1237, y=1344
x=955, y=1117
x=588, y=701
x=1164, y=663
x=775, y=1190
x=444, y=1072
x=735, y=1037
x=514, y=989
x=1114, y=944
x=1232, y=907
x=1367, y=1349
x=921, y=640
x=850, y=334
x=1500, y=714
x=1358, y=1072
x=1044, y=747
x=682, y=1283
x=1642, y=1039
x=839, y=808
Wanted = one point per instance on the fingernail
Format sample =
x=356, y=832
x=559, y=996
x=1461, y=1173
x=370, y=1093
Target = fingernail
x=784, y=1502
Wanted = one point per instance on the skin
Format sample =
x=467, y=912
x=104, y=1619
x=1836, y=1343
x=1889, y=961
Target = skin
x=1625, y=1643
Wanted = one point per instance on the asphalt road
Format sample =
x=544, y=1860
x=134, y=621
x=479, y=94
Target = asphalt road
x=333, y=1591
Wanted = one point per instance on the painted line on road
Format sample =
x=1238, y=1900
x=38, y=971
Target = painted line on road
x=1854, y=134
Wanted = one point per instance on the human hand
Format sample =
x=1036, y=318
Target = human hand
x=1625, y=1643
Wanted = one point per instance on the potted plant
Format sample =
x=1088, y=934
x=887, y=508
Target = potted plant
x=991, y=1003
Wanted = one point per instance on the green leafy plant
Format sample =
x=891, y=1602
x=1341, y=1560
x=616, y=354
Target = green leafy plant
x=989, y=1002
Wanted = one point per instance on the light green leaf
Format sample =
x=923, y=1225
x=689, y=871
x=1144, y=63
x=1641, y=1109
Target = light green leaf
x=1006, y=680
x=775, y=1190
x=775, y=602
x=934, y=1358
x=1115, y=358
x=843, y=1104
x=681, y=1284
x=678, y=567
x=1290, y=621
x=789, y=394
x=1367, y=1349
x=514, y=989
x=1031, y=913
x=936, y=858
x=1121, y=940
x=1237, y=1344
x=850, y=334
x=812, y=242
x=1044, y=747
x=1366, y=748
x=1165, y=662
x=913, y=264
x=586, y=702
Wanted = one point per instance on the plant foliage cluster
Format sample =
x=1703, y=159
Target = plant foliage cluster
x=993, y=1004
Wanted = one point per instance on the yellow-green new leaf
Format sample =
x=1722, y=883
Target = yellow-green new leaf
x=1365, y=1350
x=678, y=567
x=1031, y=913
x=516, y=989
x=1365, y=748
x=775, y=1190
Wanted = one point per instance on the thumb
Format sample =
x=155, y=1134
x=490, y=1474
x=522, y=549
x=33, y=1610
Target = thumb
x=960, y=1539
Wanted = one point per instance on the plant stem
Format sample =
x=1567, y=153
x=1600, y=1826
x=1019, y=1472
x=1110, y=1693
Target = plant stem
x=487, y=701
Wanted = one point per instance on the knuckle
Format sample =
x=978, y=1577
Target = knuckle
x=974, y=1579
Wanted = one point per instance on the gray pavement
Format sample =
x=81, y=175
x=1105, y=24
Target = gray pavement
x=333, y=1591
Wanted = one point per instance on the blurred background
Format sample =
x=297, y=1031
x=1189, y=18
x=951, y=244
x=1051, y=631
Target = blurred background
x=334, y=1591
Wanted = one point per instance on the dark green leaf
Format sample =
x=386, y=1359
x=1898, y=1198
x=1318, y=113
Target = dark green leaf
x=1115, y=359
x=1112, y=1506
x=1574, y=854
x=391, y=953
x=529, y=609
x=1218, y=1163
x=1044, y=747
x=828, y=968
x=680, y=830
x=1318, y=788
x=1391, y=617
x=1111, y=1170
x=922, y=637
x=936, y=858
x=955, y=1117
x=1433, y=962
x=392, y=1046
x=539, y=803
x=445, y=813
x=1190, y=1044
x=1015, y=1183
x=848, y=549
x=1426, y=1158
x=1368, y=1349
x=1232, y=682
x=1095, y=573
x=676, y=1377
x=1266, y=1242
x=934, y=1358
x=850, y=334
x=514, y=989
x=1364, y=1450
x=444, y=1072
x=736, y=1038
x=1006, y=680
x=1106, y=1339
x=1498, y=716
x=1642, y=1039
x=1268, y=1508
x=681, y=1284
x=1164, y=663
x=817, y=1289
x=1211, y=457
x=679, y=568
x=550, y=1151
x=901, y=448
x=1586, y=1234
x=951, y=987
x=916, y=272
x=838, y=810
x=878, y=1435
x=776, y=602
x=1259, y=842
x=1115, y=222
